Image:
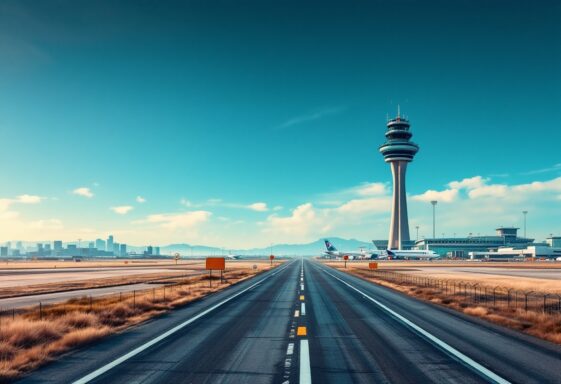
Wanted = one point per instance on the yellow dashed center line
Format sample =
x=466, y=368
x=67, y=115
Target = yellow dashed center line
x=301, y=297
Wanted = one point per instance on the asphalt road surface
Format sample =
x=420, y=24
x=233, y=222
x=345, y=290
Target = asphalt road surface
x=304, y=322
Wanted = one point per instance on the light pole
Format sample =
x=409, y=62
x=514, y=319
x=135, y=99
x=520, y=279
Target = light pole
x=433, y=202
x=417, y=238
x=525, y=213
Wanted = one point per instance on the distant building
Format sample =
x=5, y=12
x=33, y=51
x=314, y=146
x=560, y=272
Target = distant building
x=149, y=250
x=109, y=244
x=540, y=251
x=91, y=245
x=57, y=245
x=157, y=251
x=461, y=246
x=100, y=244
x=123, y=250
x=19, y=246
x=554, y=241
x=3, y=251
x=39, y=249
x=116, y=249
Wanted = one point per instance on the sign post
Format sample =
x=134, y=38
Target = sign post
x=272, y=257
x=372, y=267
x=346, y=257
x=217, y=264
x=176, y=257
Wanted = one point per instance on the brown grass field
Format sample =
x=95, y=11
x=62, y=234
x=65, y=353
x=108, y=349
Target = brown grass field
x=182, y=269
x=35, y=337
x=532, y=320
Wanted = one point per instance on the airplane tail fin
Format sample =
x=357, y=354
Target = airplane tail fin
x=329, y=246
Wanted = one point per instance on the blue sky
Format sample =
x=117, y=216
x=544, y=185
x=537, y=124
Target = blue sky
x=245, y=123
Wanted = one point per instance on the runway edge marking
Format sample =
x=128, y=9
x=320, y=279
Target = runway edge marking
x=441, y=344
x=100, y=371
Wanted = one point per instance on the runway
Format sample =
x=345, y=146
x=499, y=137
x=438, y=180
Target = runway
x=304, y=322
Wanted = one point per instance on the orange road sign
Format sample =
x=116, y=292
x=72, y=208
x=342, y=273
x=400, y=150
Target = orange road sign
x=271, y=257
x=373, y=265
x=216, y=263
x=346, y=257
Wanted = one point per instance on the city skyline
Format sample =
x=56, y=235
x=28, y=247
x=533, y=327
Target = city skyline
x=162, y=129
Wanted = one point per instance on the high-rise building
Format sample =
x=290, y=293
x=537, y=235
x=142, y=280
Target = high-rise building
x=57, y=245
x=157, y=251
x=91, y=245
x=123, y=250
x=100, y=244
x=398, y=151
x=116, y=249
x=40, y=248
x=47, y=249
x=109, y=244
x=149, y=250
x=19, y=246
x=3, y=251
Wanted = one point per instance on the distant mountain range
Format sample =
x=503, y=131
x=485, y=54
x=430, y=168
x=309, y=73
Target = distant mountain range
x=307, y=249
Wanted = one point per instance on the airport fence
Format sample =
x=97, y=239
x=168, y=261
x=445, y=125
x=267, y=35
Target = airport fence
x=138, y=301
x=479, y=294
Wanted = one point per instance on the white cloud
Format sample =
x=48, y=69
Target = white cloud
x=83, y=191
x=370, y=189
x=300, y=225
x=122, y=209
x=29, y=199
x=446, y=196
x=277, y=208
x=494, y=190
x=365, y=206
x=178, y=220
x=259, y=207
x=140, y=199
x=468, y=183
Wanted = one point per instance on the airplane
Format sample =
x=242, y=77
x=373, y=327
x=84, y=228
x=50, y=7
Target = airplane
x=333, y=252
x=400, y=254
x=233, y=257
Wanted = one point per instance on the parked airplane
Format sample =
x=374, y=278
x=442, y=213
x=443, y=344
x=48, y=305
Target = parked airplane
x=333, y=252
x=399, y=254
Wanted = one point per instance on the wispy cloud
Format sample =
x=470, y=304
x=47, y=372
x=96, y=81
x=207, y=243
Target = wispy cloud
x=83, y=191
x=311, y=116
x=122, y=209
x=140, y=199
x=556, y=167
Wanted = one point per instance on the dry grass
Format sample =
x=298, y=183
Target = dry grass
x=33, y=338
x=546, y=326
x=68, y=282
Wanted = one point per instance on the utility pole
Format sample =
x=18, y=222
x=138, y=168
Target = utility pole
x=525, y=214
x=433, y=202
x=417, y=238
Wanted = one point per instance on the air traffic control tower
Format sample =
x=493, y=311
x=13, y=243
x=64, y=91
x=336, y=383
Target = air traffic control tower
x=398, y=151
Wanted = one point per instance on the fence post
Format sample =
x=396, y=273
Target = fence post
x=90, y=303
x=40, y=311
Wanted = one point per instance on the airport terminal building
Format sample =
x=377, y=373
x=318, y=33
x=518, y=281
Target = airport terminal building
x=461, y=246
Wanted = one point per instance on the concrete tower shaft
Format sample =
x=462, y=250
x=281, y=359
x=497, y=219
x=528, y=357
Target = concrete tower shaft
x=399, y=225
x=398, y=151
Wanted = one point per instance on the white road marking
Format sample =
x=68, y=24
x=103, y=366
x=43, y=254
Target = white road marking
x=100, y=371
x=301, y=287
x=290, y=349
x=296, y=313
x=444, y=346
x=303, y=309
x=305, y=371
